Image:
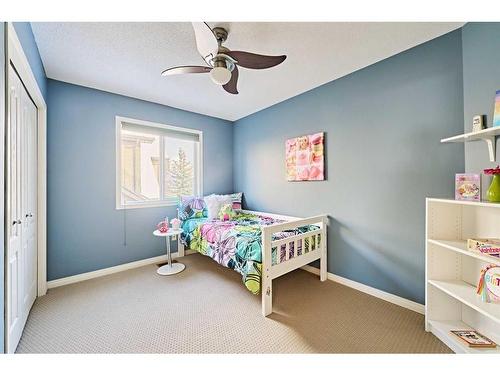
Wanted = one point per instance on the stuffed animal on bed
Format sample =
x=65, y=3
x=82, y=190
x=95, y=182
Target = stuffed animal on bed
x=226, y=212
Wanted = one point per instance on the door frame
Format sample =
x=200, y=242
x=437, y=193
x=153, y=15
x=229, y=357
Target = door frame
x=15, y=55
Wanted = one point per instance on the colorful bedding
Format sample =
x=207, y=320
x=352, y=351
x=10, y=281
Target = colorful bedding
x=237, y=243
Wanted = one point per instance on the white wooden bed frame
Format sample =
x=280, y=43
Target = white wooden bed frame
x=272, y=271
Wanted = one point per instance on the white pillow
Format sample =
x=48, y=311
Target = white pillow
x=214, y=203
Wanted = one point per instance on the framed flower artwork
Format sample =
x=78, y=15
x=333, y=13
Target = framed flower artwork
x=305, y=160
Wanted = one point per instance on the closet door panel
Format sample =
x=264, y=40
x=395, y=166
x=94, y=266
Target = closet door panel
x=15, y=287
x=29, y=202
x=21, y=209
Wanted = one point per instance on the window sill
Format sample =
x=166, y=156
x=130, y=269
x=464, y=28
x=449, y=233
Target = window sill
x=146, y=205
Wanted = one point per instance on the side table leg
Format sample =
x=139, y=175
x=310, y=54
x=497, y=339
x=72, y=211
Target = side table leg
x=169, y=254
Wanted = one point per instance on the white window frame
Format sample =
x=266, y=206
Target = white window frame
x=198, y=165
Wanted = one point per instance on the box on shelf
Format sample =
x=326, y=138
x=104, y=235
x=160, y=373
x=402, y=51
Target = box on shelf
x=468, y=187
x=487, y=246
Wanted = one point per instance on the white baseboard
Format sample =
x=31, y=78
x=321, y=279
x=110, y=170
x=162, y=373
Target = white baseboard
x=108, y=271
x=400, y=301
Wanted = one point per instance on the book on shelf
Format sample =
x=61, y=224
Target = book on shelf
x=473, y=338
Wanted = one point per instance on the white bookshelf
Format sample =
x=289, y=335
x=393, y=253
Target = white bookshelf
x=452, y=271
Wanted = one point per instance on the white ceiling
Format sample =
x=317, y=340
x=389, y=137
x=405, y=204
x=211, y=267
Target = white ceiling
x=127, y=58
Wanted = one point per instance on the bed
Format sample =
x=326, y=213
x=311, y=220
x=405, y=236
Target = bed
x=259, y=246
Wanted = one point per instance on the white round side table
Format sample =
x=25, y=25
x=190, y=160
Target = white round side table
x=170, y=268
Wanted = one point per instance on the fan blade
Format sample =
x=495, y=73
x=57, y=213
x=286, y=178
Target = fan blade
x=186, y=70
x=207, y=44
x=230, y=87
x=254, y=61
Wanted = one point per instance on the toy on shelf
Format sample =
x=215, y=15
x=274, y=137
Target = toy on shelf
x=488, y=286
x=162, y=226
x=176, y=223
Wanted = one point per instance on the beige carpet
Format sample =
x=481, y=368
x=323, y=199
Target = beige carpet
x=206, y=309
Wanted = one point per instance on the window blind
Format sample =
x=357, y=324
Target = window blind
x=165, y=132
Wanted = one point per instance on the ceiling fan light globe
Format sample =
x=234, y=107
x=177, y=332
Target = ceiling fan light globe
x=220, y=75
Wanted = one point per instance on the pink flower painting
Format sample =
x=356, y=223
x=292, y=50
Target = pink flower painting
x=305, y=158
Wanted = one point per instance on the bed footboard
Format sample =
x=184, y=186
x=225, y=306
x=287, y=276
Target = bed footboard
x=291, y=253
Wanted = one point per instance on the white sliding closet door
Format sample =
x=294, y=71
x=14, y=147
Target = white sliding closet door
x=28, y=201
x=21, y=209
x=14, y=263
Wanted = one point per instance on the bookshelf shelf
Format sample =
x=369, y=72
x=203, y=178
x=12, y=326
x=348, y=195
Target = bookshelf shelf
x=441, y=329
x=466, y=294
x=460, y=246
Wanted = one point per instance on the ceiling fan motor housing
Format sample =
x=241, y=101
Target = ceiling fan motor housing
x=222, y=61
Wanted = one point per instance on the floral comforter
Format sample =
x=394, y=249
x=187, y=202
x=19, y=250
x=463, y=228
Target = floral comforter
x=237, y=243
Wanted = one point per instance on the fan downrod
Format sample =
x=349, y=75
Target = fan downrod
x=220, y=34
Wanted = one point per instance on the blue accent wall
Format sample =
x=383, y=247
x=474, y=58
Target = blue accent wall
x=481, y=64
x=2, y=170
x=383, y=125
x=27, y=40
x=85, y=231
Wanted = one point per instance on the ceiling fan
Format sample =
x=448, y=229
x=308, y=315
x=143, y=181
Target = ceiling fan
x=222, y=64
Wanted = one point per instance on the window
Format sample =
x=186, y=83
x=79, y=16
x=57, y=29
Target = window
x=156, y=163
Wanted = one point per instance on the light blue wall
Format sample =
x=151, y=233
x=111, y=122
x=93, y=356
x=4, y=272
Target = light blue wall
x=2, y=151
x=85, y=231
x=481, y=64
x=383, y=125
x=27, y=40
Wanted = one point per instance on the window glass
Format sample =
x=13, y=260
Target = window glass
x=179, y=167
x=140, y=155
